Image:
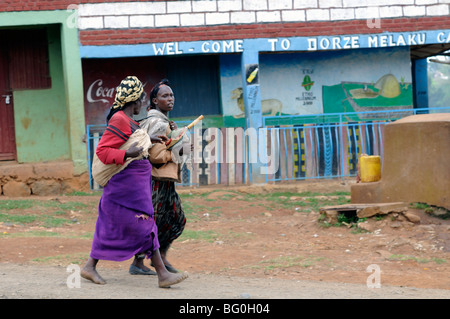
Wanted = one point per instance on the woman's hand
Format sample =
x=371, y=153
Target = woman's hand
x=159, y=139
x=173, y=125
x=133, y=151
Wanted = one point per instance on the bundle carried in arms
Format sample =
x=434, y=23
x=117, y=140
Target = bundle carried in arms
x=102, y=173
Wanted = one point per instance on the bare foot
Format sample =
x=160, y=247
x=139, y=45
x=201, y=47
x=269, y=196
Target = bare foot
x=168, y=279
x=91, y=274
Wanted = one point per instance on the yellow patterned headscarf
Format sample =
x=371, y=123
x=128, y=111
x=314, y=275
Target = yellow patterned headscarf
x=129, y=90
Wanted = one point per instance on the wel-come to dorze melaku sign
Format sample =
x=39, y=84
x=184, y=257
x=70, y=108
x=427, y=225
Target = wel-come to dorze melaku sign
x=356, y=41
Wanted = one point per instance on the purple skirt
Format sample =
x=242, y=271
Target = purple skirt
x=125, y=224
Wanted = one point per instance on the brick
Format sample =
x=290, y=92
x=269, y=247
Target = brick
x=413, y=11
x=438, y=10
x=90, y=23
x=391, y=11
x=342, y=14
x=204, y=6
x=116, y=22
x=280, y=4
x=293, y=15
x=217, y=18
x=229, y=5
x=375, y=3
x=317, y=14
x=243, y=17
x=130, y=8
x=254, y=5
x=303, y=4
x=330, y=4
x=179, y=6
x=268, y=16
x=422, y=2
x=191, y=19
x=167, y=20
x=142, y=21
x=367, y=13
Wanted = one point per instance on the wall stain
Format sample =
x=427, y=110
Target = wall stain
x=26, y=122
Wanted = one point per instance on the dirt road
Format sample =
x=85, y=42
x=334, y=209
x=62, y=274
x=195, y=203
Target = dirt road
x=52, y=282
x=239, y=243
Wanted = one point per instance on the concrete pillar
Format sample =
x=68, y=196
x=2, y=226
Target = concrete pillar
x=253, y=114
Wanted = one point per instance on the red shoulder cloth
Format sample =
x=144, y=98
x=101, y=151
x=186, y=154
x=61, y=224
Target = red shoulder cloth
x=118, y=131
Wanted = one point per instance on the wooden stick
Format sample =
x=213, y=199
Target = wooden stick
x=198, y=119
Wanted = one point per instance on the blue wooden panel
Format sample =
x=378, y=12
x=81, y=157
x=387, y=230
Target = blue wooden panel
x=195, y=82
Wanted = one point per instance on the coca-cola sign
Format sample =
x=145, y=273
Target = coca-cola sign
x=102, y=76
x=97, y=93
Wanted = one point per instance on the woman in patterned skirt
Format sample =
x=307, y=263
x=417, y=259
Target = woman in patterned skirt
x=169, y=214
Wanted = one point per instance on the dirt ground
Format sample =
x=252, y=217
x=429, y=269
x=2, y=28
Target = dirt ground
x=248, y=250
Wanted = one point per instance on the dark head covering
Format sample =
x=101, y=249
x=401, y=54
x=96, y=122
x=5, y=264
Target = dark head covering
x=129, y=90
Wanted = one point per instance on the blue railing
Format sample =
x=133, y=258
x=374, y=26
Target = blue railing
x=306, y=147
x=328, y=145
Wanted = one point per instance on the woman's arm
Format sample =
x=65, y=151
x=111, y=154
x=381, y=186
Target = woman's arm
x=117, y=132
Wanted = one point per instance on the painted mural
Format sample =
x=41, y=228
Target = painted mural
x=321, y=82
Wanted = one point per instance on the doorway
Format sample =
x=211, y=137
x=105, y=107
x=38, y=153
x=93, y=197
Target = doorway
x=7, y=132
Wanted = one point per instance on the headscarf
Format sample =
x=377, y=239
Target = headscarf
x=129, y=90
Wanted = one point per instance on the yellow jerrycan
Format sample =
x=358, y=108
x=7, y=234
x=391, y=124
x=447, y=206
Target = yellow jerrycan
x=370, y=168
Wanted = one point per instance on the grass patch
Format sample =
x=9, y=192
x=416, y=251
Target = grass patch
x=46, y=213
x=47, y=221
x=419, y=260
x=305, y=201
x=17, y=219
x=15, y=204
x=78, y=193
x=43, y=233
x=36, y=233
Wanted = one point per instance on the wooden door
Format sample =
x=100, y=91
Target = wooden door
x=7, y=134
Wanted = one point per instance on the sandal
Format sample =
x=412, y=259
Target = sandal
x=138, y=271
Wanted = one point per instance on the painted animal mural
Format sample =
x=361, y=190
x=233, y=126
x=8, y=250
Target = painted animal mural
x=269, y=107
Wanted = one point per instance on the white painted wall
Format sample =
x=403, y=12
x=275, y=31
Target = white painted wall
x=187, y=13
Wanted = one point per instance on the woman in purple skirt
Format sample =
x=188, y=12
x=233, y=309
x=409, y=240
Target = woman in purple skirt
x=125, y=226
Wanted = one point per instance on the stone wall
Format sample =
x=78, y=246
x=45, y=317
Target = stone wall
x=43, y=179
x=415, y=164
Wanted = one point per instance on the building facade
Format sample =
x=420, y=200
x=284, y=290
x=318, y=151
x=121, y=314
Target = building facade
x=238, y=62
